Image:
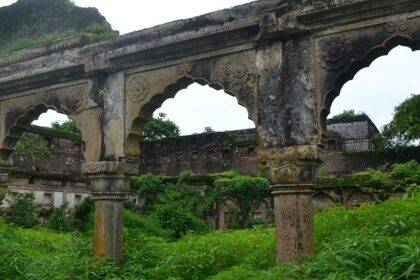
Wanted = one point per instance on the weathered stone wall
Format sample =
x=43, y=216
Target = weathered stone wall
x=66, y=155
x=201, y=154
x=338, y=162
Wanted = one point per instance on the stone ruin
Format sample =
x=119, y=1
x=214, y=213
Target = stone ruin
x=57, y=180
x=284, y=60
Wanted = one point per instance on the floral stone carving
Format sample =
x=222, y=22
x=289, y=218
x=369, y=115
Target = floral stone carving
x=137, y=88
x=334, y=52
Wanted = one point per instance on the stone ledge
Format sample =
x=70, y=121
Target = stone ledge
x=110, y=167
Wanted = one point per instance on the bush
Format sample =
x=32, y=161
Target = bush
x=61, y=219
x=84, y=215
x=148, y=184
x=248, y=191
x=80, y=218
x=179, y=220
x=409, y=172
x=149, y=225
x=24, y=211
x=33, y=148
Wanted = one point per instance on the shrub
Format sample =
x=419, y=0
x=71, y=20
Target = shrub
x=179, y=220
x=148, y=184
x=149, y=225
x=84, y=215
x=61, y=219
x=409, y=171
x=248, y=191
x=24, y=210
x=32, y=148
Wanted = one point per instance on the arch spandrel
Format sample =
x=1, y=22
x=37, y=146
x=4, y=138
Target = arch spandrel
x=235, y=74
x=20, y=109
x=340, y=55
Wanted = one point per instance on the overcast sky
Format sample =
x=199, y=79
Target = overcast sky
x=375, y=90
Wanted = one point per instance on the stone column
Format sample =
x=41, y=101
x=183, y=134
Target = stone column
x=292, y=173
x=3, y=184
x=110, y=184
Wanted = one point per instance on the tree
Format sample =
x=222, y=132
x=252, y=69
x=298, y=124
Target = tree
x=208, y=129
x=68, y=126
x=405, y=125
x=160, y=128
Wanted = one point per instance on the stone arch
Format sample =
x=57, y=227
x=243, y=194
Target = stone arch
x=188, y=74
x=18, y=112
x=357, y=197
x=322, y=200
x=361, y=58
x=14, y=131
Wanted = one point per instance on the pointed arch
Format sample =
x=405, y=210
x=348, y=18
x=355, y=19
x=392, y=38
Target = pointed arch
x=356, y=65
x=145, y=112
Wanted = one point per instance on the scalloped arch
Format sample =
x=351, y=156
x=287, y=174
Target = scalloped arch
x=357, y=65
x=15, y=131
x=146, y=112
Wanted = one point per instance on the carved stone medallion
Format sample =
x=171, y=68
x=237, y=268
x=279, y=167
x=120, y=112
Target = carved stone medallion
x=334, y=52
x=184, y=68
x=396, y=26
x=137, y=88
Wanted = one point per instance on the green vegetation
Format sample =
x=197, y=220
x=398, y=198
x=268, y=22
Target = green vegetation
x=67, y=126
x=102, y=30
x=160, y=128
x=24, y=210
x=32, y=148
x=179, y=206
x=248, y=192
x=404, y=128
x=57, y=132
x=63, y=219
x=347, y=115
x=35, y=23
x=403, y=176
x=372, y=242
x=208, y=130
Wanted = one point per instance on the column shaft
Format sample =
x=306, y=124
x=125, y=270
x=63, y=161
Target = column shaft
x=294, y=225
x=3, y=185
x=110, y=184
x=109, y=229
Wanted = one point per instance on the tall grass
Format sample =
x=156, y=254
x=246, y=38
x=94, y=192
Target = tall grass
x=373, y=242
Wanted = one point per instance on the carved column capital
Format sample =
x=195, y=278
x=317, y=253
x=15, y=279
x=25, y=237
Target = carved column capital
x=292, y=166
x=110, y=180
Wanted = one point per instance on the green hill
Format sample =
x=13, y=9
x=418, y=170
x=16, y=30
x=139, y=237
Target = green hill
x=32, y=22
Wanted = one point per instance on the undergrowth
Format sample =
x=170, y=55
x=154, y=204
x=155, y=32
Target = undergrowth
x=379, y=241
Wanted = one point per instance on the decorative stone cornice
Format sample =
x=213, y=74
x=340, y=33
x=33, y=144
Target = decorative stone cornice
x=110, y=167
